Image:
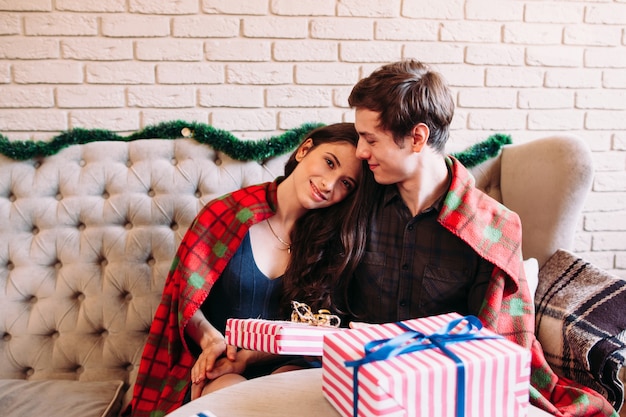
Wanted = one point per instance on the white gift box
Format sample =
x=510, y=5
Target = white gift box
x=495, y=383
x=276, y=336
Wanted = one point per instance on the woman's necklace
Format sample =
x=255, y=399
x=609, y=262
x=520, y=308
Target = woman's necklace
x=288, y=245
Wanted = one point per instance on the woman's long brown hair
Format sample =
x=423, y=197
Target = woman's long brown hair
x=326, y=243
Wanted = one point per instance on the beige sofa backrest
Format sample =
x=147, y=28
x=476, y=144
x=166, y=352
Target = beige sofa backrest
x=545, y=181
x=87, y=237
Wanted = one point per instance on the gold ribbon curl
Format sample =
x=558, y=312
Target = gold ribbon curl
x=302, y=314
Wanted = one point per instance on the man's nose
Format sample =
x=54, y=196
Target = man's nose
x=362, y=150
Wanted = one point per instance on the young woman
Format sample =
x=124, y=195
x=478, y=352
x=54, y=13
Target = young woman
x=231, y=263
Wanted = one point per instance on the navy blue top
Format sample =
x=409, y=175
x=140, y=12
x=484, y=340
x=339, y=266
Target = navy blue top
x=243, y=291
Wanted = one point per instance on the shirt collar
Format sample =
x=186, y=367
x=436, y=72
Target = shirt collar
x=392, y=194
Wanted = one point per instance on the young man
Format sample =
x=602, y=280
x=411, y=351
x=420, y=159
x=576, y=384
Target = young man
x=436, y=243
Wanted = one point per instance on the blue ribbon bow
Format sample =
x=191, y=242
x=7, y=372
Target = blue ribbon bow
x=413, y=341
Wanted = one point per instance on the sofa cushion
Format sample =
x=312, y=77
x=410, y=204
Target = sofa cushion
x=531, y=270
x=19, y=398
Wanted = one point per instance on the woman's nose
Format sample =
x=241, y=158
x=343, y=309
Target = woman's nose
x=326, y=184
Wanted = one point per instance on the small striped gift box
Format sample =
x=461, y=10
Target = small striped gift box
x=276, y=336
x=401, y=373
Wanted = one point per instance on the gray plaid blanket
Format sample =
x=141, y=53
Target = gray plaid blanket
x=581, y=323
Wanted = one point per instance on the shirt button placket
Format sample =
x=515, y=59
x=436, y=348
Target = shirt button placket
x=404, y=290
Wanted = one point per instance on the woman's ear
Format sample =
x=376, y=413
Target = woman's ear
x=420, y=135
x=303, y=149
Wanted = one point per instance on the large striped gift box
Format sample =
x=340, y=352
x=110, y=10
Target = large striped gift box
x=276, y=336
x=401, y=372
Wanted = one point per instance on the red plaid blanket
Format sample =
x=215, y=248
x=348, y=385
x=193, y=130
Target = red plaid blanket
x=208, y=245
x=495, y=233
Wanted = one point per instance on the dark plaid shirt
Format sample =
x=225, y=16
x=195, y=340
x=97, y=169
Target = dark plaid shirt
x=414, y=267
x=425, y=270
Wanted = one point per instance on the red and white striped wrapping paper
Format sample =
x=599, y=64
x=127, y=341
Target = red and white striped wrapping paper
x=276, y=336
x=423, y=383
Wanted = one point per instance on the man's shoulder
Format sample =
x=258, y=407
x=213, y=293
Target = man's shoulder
x=471, y=212
x=463, y=191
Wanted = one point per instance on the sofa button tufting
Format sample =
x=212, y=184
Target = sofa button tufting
x=174, y=226
x=10, y=266
x=151, y=261
x=174, y=161
x=82, y=163
x=129, y=367
x=79, y=369
x=104, y=263
x=128, y=297
x=54, y=335
x=104, y=333
x=32, y=299
x=129, y=163
x=105, y=195
x=58, y=265
x=6, y=337
x=81, y=226
x=29, y=372
x=59, y=197
x=217, y=162
x=35, y=230
x=151, y=193
x=80, y=297
x=128, y=226
x=12, y=198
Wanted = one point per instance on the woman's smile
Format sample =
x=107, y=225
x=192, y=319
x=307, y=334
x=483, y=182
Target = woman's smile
x=317, y=194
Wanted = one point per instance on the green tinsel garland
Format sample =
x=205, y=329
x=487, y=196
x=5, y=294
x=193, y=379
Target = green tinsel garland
x=484, y=150
x=220, y=140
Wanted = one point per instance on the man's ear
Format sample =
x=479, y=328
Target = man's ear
x=303, y=149
x=420, y=135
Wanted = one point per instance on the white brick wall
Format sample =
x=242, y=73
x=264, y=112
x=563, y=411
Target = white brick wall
x=529, y=68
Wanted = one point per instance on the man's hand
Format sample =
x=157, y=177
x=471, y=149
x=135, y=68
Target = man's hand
x=359, y=325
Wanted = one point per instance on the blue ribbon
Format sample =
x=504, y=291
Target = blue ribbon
x=413, y=341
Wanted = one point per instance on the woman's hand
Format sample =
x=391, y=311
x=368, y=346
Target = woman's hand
x=234, y=362
x=206, y=361
x=220, y=366
x=202, y=369
x=213, y=345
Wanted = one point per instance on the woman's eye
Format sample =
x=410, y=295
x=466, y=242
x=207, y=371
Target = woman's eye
x=330, y=162
x=347, y=184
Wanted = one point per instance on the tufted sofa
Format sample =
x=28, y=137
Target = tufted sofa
x=87, y=237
